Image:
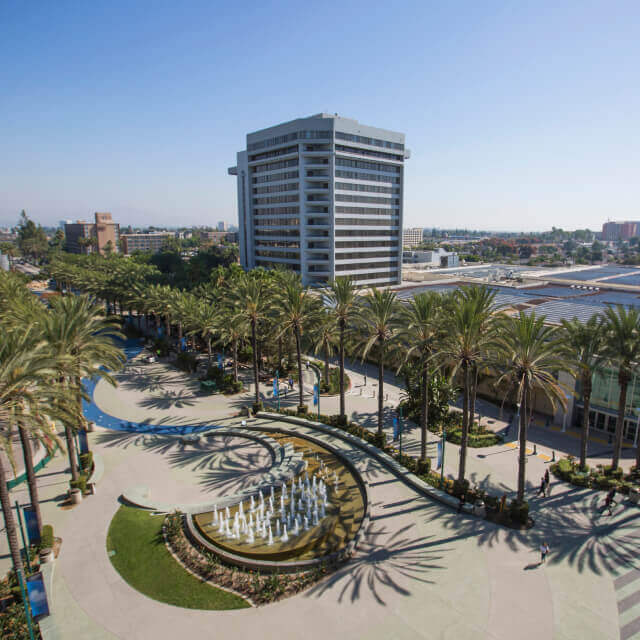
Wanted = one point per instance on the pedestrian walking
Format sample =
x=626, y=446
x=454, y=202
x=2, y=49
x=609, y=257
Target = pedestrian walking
x=461, y=503
x=543, y=487
x=365, y=379
x=291, y=383
x=607, y=503
x=546, y=476
x=544, y=550
x=611, y=495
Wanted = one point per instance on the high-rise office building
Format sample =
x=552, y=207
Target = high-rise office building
x=323, y=196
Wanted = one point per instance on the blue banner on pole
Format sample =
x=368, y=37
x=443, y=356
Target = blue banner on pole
x=84, y=441
x=183, y=344
x=219, y=361
x=37, y=596
x=395, y=428
x=275, y=387
x=315, y=394
x=31, y=523
x=439, y=455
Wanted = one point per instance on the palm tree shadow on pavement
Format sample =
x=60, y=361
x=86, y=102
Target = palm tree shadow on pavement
x=573, y=524
x=384, y=561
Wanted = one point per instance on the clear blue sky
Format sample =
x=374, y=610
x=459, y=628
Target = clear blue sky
x=519, y=115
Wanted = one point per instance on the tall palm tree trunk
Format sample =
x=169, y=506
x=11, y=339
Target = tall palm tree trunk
x=254, y=345
x=465, y=425
x=27, y=454
x=522, y=454
x=235, y=360
x=622, y=403
x=326, y=364
x=299, y=356
x=586, y=399
x=342, y=403
x=474, y=391
x=380, y=388
x=208, y=351
x=9, y=522
x=71, y=450
x=424, y=414
x=279, y=353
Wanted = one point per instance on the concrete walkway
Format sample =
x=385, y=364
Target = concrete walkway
x=422, y=570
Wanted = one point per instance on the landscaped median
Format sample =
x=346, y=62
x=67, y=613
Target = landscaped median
x=601, y=477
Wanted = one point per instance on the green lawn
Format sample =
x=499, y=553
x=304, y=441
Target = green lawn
x=143, y=560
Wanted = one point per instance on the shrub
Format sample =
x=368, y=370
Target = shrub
x=86, y=460
x=614, y=473
x=187, y=361
x=579, y=479
x=519, y=511
x=46, y=539
x=80, y=483
x=460, y=487
x=380, y=440
x=424, y=466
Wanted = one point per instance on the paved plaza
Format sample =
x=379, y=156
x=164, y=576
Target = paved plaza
x=422, y=570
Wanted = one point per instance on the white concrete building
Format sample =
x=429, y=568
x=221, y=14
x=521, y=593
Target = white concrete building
x=323, y=196
x=435, y=259
x=412, y=237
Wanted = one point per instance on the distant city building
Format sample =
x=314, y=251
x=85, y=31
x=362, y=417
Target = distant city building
x=222, y=226
x=63, y=223
x=620, y=231
x=145, y=241
x=87, y=237
x=438, y=258
x=217, y=237
x=323, y=196
x=412, y=237
x=4, y=262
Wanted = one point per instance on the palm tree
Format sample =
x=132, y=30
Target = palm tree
x=232, y=329
x=341, y=298
x=378, y=318
x=251, y=301
x=23, y=368
x=469, y=333
x=323, y=334
x=202, y=319
x=75, y=329
x=529, y=354
x=419, y=322
x=586, y=342
x=297, y=308
x=622, y=350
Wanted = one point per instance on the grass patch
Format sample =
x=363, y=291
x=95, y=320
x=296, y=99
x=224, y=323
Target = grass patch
x=142, y=559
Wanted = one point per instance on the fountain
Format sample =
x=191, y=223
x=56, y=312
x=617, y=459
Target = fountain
x=227, y=515
x=270, y=541
x=306, y=523
x=221, y=530
x=214, y=521
x=285, y=537
x=250, y=537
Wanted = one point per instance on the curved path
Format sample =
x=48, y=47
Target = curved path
x=421, y=571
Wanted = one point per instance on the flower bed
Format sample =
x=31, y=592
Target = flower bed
x=601, y=477
x=259, y=588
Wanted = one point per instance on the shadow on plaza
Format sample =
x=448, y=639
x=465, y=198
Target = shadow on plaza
x=385, y=561
x=218, y=461
x=574, y=525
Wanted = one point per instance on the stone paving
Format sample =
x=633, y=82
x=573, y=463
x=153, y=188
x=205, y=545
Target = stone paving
x=423, y=570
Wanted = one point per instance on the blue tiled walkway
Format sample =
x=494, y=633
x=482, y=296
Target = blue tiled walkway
x=93, y=413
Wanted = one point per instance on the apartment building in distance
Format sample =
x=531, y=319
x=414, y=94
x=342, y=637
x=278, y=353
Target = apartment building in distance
x=152, y=241
x=87, y=237
x=412, y=237
x=620, y=231
x=217, y=237
x=323, y=196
